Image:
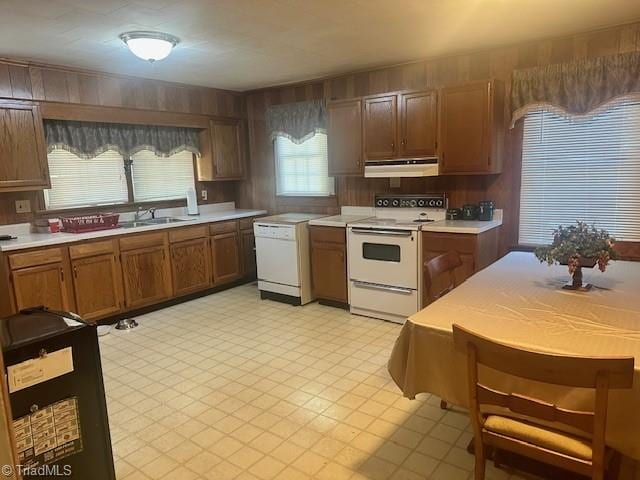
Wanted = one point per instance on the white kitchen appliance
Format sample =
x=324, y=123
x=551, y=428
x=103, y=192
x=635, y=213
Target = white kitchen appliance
x=282, y=255
x=406, y=167
x=385, y=254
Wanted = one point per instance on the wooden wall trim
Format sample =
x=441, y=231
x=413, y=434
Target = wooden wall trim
x=41, y=82
x=89, y=113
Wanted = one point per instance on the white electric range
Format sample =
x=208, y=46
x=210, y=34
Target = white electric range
x=385, y=254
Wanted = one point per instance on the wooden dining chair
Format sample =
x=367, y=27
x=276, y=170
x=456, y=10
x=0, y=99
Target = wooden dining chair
x=522, y=430
x=441, y=266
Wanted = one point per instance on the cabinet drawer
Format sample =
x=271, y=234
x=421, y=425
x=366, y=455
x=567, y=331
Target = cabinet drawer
x=327, y=234
x=91, y=249
x=444, y=242
x=37, y=257
x=141, y=241
x=181, y=234
x=223, y=227
x=247, y=223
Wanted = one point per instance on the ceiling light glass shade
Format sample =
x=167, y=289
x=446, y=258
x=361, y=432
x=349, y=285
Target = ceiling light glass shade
x=150, y=46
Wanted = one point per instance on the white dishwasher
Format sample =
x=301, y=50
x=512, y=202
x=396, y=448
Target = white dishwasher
x=283, y=260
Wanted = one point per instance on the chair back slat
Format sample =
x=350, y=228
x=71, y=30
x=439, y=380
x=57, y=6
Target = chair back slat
x=438, y=266
x=571, y=371
x=532, y=407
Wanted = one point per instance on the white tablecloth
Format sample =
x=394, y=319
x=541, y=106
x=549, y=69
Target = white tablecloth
x=518, y=301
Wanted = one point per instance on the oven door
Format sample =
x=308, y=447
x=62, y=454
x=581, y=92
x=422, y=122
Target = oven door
x=384, y=257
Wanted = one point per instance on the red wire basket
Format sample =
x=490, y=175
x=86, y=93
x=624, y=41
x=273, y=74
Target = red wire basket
x=90, y=223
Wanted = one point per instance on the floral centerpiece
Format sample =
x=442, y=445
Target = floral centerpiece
x=577, y=246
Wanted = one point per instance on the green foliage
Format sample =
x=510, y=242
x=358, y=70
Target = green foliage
x=576, y=242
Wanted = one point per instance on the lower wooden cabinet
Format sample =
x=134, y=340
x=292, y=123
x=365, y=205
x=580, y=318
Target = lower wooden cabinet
x=146, y=276
x=329, y=263
x=476, y=252
x=248, y=241
x=225, y=256
x=97, y=286
x=190, y=266
x=40, y=285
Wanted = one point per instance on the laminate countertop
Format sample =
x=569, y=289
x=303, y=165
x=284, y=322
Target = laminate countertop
x=27, y=239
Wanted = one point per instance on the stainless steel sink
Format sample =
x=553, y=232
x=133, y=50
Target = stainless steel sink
x=133, y=224
x=149, y=221
x=161, y=220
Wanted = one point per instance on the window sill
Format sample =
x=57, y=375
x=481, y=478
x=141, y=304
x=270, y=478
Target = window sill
x=115, y=208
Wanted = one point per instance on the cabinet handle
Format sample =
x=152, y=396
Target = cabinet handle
x=489, y=160
x=75, y=271
x=393, y=145
x=61, y=275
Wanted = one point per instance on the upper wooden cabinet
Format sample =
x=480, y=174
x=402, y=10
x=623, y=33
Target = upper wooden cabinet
x=222, y=155
x=380, y=127
x=418, y=127
x=344, y=138
x=23, y=154
x=471, y=128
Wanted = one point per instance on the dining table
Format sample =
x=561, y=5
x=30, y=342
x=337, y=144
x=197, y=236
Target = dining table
x=519, y=301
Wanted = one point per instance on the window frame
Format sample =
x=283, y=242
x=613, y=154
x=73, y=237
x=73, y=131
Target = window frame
x=118, y=207
x=325, y=200
x=518, y=132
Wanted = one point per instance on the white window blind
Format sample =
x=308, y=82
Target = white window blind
x=302, y=170
x=584, y=169
x=161, y=178
x=77, y=182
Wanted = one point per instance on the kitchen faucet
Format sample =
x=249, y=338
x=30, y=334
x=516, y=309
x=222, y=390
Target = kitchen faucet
x=142, y=211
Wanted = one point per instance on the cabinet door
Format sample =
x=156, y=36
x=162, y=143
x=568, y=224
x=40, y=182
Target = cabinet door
x=191, y=266
x=329, y=271
x=96, y=283
x=345, y=138
x=418, y=126
x=226, y=148
x=380, y=128
x=248, y=253
x=146, y=275
x=464, y=129
x=23, y=155
x=225, y=254
x=41, y=285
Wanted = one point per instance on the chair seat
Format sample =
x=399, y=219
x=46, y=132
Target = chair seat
x=540, y=436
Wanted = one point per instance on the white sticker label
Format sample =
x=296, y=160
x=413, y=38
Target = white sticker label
x=38, y=370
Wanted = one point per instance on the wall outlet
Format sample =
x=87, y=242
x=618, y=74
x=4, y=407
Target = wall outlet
x=23, y=206
x=204, y=194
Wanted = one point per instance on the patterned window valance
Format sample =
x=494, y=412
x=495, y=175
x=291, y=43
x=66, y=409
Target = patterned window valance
x=297, y=121
x=88, y=139
x=577, y=88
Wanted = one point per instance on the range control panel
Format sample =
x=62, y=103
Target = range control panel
x=430, y=200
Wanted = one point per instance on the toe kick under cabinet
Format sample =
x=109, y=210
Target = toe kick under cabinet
x=101, y=278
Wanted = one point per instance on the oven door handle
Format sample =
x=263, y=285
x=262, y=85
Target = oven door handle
x=386, y=288
x=367, y=231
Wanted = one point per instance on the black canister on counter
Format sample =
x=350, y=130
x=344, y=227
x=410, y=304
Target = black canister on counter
x=454, y=214
x=470, y=211
x=485, y=210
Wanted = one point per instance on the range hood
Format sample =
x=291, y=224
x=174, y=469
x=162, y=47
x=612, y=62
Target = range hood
x=402, y=167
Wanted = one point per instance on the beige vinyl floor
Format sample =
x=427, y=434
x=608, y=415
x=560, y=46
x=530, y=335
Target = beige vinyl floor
x=229, y=386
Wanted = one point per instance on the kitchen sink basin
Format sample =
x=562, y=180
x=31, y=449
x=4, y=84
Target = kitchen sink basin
x=161, y=220
x=133, y=224
x=149, y=221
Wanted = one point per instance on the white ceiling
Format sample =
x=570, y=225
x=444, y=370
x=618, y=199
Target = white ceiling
x=247, y=44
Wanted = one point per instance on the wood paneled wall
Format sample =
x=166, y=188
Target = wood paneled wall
x=45, y=83
x=499, y=63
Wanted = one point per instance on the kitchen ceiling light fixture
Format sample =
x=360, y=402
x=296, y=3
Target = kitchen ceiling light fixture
x=150, y=46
